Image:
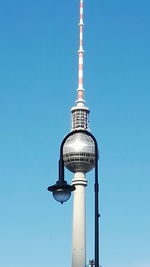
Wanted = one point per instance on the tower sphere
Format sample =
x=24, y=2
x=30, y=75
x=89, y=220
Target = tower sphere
x=79, y=153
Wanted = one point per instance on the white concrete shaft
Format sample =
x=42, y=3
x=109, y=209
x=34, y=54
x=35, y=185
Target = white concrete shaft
x=79, y=225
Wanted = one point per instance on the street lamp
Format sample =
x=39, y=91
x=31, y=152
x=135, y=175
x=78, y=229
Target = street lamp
x=62, y=191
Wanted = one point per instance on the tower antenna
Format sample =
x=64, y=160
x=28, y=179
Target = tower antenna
x=80, y=111
x=80, y=90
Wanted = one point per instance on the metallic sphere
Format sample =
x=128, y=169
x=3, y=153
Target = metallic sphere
x=79, y=153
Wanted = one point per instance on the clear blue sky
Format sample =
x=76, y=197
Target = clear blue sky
x=38, y=81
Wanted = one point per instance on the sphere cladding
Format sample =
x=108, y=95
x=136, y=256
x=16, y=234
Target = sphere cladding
x=79, y=153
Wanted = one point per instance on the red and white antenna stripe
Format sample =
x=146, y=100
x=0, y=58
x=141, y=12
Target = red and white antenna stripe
x=80, y=90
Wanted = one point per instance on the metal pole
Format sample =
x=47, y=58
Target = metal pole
x=96, y=216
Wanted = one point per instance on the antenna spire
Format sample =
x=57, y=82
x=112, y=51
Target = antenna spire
x=80, y=111
x=80, y=90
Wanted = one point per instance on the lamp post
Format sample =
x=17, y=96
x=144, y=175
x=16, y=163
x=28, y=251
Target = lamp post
x=62, y=191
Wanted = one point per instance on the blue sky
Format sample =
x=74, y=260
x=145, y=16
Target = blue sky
x=38, y=81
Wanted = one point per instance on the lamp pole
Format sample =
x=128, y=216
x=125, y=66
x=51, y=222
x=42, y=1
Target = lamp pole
x=62, y=191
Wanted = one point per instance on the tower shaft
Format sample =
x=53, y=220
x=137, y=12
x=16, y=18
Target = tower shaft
x=79, y=229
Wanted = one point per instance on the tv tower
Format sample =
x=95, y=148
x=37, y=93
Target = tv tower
x=79, y=158
x=79, y=154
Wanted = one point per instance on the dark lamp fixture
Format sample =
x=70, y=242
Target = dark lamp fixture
x=61, y=191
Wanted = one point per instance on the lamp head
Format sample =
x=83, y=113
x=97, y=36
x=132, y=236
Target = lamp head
x=61, y=191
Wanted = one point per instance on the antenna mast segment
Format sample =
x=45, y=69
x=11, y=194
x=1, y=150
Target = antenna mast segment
x=80, y=112
x=80, y=89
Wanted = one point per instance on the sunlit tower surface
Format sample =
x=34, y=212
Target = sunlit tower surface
x=79, y=158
